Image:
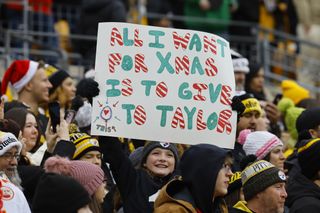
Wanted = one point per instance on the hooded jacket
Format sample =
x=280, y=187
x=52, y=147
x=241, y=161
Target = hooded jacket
x=303, y=195
x=199, y=167
x=137, y=187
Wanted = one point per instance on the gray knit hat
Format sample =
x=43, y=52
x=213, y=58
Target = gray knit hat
x=149, y=146
x=259, y=176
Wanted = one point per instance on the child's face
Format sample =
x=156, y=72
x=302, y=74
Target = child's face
x=160, y=162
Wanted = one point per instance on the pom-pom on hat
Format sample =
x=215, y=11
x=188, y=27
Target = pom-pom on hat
x=294, y=91
x=259, y=176
x=291, y=113
x=309, y=158
x=19, y=74
x=89, y=175
x=59, y=193
x=56, y=79
x=149, y=146
x=258, y=143
x=240, y=63
x=84, y=143
x=7, y=141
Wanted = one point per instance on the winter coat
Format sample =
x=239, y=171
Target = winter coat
x=175, y=197
x=138, y=188
x=303, y=195
x=199, y=167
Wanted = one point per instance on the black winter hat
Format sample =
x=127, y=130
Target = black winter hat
x=57, y=193
x=308, y=119
x=259, y=176
x=309, y=158
x=235, y=182
x=149, y=146
x=56, y=79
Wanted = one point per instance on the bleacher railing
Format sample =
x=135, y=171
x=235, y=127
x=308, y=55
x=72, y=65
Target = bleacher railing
x=278, y=63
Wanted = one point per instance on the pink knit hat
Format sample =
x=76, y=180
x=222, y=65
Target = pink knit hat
x=89, y=175
x=258, y=143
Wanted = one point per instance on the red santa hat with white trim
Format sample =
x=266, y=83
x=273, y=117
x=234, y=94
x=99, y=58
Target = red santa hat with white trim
x=19, y=74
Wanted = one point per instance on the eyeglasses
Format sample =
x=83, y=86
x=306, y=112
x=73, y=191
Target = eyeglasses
x=226, y=167
x=10, y=156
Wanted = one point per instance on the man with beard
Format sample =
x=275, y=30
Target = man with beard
x=13, y=198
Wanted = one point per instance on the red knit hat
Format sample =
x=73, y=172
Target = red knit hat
x=19, y=74
x=89, y=175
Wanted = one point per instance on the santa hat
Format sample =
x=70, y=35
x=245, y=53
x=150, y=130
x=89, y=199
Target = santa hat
x=19, y=74
x=258, y=143
x=7, y=141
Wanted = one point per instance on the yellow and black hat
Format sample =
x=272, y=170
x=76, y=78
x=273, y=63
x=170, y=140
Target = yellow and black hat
x=84, y=143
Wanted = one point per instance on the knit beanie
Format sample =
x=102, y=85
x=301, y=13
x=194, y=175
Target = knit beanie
x=89, y=175
x=258, y=143
x=7, y=141
x=19, y=74
x=290, y=113
x=149, y=146
x=308, y=119
x=58, y=193
x=84, y=143
x=235, y=182
x=56, y=79
x=250, y=103
x=135, y=156
x=294, y=91
x=309, y=158
x=240, y=63
x=259, y=176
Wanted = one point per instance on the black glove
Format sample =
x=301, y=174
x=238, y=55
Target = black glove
x=238, y=106
x=76, y=103
x=88, y=88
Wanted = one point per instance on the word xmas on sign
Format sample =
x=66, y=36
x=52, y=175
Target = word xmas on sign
x=163, y=84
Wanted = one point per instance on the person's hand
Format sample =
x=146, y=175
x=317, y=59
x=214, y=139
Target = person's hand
x=76, y=103
x=238, y=106
x=88, y=88
x=204, y=4
x=273, y=113
x=63, y=130
x=51, y=138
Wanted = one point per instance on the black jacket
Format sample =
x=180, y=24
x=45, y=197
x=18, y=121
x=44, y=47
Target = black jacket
x=136, y=186
x=199, y=168
x=303, y=195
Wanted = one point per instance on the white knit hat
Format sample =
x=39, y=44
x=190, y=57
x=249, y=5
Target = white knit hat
x=258, y=143
x=7, y=141
x=240, y=63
